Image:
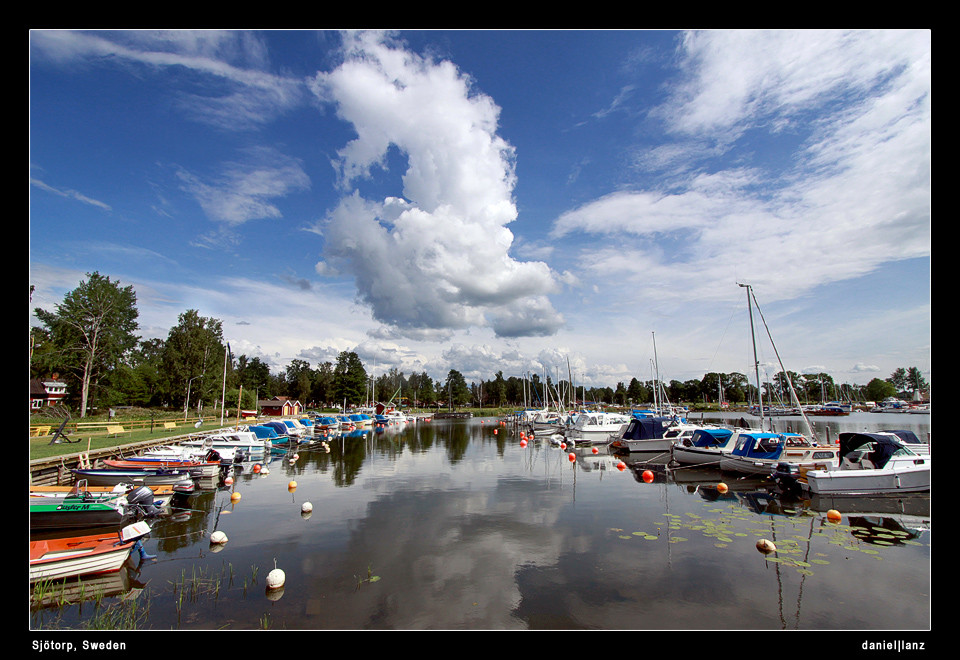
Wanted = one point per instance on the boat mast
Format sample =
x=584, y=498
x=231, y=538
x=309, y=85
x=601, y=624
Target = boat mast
x=793, y=393
x=756, y=362
x=656, y=375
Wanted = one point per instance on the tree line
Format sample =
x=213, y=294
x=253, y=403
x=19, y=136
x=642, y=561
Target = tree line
x=90, y=341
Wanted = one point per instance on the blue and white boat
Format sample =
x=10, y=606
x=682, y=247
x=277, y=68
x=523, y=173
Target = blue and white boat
x=759, y=453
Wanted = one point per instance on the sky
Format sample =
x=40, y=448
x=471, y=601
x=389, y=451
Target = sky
x=526, y=201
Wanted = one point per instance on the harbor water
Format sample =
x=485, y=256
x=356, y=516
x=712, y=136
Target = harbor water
x=460, y=525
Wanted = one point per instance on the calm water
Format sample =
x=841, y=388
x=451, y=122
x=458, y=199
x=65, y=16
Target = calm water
x=452, y=524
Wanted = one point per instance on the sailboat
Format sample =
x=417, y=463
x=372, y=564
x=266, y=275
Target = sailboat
x=761, y=452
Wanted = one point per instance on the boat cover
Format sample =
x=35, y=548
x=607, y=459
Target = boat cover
x=882, y=449
x=760, y=445
x=265, y=431
x=710, y=437
x=907, y=437
x=647, y=428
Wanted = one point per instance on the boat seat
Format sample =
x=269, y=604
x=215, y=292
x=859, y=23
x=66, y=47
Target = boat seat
x=854, y=460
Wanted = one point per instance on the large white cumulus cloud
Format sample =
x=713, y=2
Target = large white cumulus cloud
x=436, y=254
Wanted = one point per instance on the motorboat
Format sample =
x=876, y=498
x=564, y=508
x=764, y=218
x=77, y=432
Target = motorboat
x=196, y=469
x=145, y=477
x=704, y=446
x=80, y=508
x=294, y=429
x=759, y=453
x=245, y=441
x=226, y=456
x=361, y=420
x=55, y=559
x=872, y=463
x=546, y=421
x=327, y=423
x=653, y=434
x=910, y=439
x=596, y=426
x=391, y=417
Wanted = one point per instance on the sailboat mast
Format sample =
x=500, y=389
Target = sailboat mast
x=656, y=377
x=753, y=338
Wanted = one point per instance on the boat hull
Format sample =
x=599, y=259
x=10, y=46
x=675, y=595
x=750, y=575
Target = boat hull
x=869, y=482
x=696, y=455
x=145, y=477
x=53, y=512
x=195, y=469
x=653, y=445
x=84, y=555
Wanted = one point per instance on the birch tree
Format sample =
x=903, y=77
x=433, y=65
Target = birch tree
x=92, y=329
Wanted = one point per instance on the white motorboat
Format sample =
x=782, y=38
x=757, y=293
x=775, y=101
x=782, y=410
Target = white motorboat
x=596, y=426
x=872, y=463
x=246, y=442
x=704, y=446
x=178, y=453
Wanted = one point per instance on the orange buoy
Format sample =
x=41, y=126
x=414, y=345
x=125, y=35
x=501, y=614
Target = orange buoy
x=621, y=466
x=292, y=485
x=722, y=487
x=834, y=516
x=572, y=457
x=563, y=445
x=256, y=468
x=523, y=443
x=235, y=496
x=647, y=476
x=595, y=450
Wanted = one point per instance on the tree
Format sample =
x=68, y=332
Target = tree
x=349, y=378
x=298, y=380
x=92, y=329
x=456, y=387
x=254, y=375
x=879, y=389
x=193, y=358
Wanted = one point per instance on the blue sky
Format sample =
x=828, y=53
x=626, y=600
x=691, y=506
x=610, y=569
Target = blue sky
x=497, y=200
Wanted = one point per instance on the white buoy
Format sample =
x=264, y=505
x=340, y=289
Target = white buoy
x=306, y=507
x=218, y=537
x=275, y=578
x=766, y=546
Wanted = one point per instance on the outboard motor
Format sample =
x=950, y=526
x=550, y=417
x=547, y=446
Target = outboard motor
x=787, y=478
x=141, y=499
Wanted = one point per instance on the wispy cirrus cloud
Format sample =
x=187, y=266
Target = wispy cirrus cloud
x=71, y=194
x=221, y=78
x=847, y=191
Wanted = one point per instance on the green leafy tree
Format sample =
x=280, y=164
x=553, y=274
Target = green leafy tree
x=92, y=329
x=299, y=380
x=879, y=389
x=456, y=388
x=322, y=384
x=254, y=375
x=193, y=359
x=349, y=379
